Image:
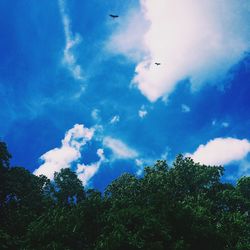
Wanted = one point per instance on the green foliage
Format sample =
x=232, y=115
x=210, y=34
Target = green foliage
x=183, y=207
x=4, y=166
x=4, y=156
x=68, y=187
x=243, y=186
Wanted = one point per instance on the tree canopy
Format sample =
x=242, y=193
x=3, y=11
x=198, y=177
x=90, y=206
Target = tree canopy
x=185, y=206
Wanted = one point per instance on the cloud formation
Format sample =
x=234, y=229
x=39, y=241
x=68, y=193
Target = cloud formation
x=225, y=124
x=72, y=41
x=195, y=39
x=142, y=112
x=86, y=172
x=68, y=153
x=185, y=108
x=115, y=119
x=119, y=148
x=127, y=38
x=95, y=114
x=221, y=151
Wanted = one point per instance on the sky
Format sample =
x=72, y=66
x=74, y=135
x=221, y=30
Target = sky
x=80, y=89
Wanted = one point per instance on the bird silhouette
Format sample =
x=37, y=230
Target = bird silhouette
x=156, y=63
x=113, y=16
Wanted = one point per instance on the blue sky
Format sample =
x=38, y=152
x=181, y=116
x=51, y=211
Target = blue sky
x=81, y=90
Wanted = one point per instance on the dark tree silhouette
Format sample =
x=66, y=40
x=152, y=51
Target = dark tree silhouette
x=182, y=207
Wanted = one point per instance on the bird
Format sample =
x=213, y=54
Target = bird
x=156, y=63
x=113, y=16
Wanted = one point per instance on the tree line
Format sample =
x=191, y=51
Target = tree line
x=182, y=207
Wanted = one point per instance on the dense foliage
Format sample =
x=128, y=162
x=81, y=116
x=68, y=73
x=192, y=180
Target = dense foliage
x=183, y=207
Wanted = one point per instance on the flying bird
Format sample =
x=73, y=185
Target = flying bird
x=113, y=16
x=156, y=63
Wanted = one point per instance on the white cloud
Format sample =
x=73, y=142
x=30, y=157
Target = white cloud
x=140, y=164
x=67, y=153
x=196, y=39
x=185, y=108
x=115, y=119
x=72, y=41
x=86, y=172
x=220, y=123
x=95, y=114
x=221, y=151
x=127, y=39
x=244, y=168
x=165, y=154
x=225, y=124
x=80, y=91
x=119, y=149
x=142, y=112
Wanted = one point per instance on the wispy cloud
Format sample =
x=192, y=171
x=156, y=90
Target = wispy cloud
x=115, y=119
x=220, y=123
x=198, y=40
x=86, y=172
x=72, y=40
x=127, y=38
x=142, y=112
x=120, y=149
x=140, y=164
x=244, y=168
x=221, y=151
x=95, y=114
x=68, y=153
x=185, y=108
x=225, y=124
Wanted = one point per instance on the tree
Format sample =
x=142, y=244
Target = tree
x=243, y=186
x=183, y=207
x=4, y=166
x=68, y=187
